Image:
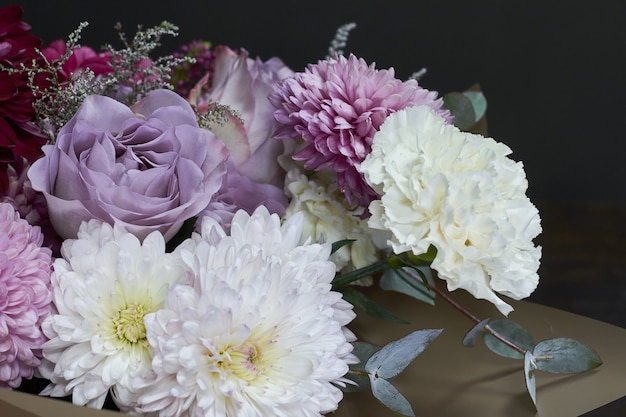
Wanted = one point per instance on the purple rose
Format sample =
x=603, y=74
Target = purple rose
x=148, y=167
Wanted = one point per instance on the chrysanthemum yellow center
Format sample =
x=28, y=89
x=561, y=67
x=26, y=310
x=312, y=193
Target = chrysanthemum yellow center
x=129, y=325
x=244, y=362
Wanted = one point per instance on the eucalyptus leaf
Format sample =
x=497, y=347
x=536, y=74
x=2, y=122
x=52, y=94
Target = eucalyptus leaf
x=470, y=338
x=529, y=375
x=511, y=331
x=357, y=372
x=400, y=281
x=395, y=356
x=461, y=108
x=565, y=356
x=390, y=397
x=479, y=103
x=359, y=300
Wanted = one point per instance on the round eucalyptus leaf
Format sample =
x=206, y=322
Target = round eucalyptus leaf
x=461, y=108
x=470, y=338
x=565, y=356
x=511, y=331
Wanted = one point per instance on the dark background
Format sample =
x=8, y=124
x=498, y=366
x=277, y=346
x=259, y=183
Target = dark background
x=553, y=72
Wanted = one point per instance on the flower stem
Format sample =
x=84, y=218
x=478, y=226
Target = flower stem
x=472, y=317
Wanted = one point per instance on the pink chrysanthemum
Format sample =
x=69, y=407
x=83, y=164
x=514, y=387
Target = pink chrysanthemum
x=25, y=296
x=337, y=105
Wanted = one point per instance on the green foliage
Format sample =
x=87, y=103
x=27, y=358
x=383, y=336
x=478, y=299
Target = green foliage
x=390, y=397
x=340, y=244
x=401, y=280
x=470, y=337
x=390, y=360
x=468, y=108
x=511, y=331
x=461, y=108
x=529, y=376
x=564, y=356
x=360, y=300
x=357, y=372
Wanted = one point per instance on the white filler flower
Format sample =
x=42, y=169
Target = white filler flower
x=460, y=193
x=104, y=285
x=260, y=333
x=327, y=218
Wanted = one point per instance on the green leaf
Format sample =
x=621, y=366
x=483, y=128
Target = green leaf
x=399, y=280
x=479, y=103
x=359, y=300
x=423, y=259
x=390, y=397
x=461, y=108
x=392, y=358
x=529, y=375
x=565, y=356
x=356, y=371
x=342, y=280
x=470, y=338
x=511, y=331
x=340, y=244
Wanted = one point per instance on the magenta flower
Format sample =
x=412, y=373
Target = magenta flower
x=148, y=167
x=18, y=137
x=25, y=296
x=336, y=106
x=185, y=76
x=81, y=58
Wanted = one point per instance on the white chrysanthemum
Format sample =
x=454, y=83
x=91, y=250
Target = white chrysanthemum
x=326, y=218
x=460, y=193
x=105, y=284
x=260, y=333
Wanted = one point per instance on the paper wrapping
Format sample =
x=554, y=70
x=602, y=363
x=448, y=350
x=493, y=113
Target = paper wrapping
x=448, y=379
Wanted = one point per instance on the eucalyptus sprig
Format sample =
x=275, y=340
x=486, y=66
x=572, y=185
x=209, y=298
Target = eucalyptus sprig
x=411, y=275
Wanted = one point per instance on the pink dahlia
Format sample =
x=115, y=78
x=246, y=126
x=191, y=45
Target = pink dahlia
x=337, y=105
x=25, y=296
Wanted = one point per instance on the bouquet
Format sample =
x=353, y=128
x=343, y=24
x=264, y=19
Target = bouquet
x=190, y=234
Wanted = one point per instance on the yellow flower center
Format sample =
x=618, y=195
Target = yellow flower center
x=129, y=325
x=244, y=362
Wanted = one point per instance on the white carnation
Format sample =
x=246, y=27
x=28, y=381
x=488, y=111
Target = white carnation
x=460, y=193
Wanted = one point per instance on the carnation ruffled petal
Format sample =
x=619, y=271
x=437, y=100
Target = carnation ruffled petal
x=460, y=193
